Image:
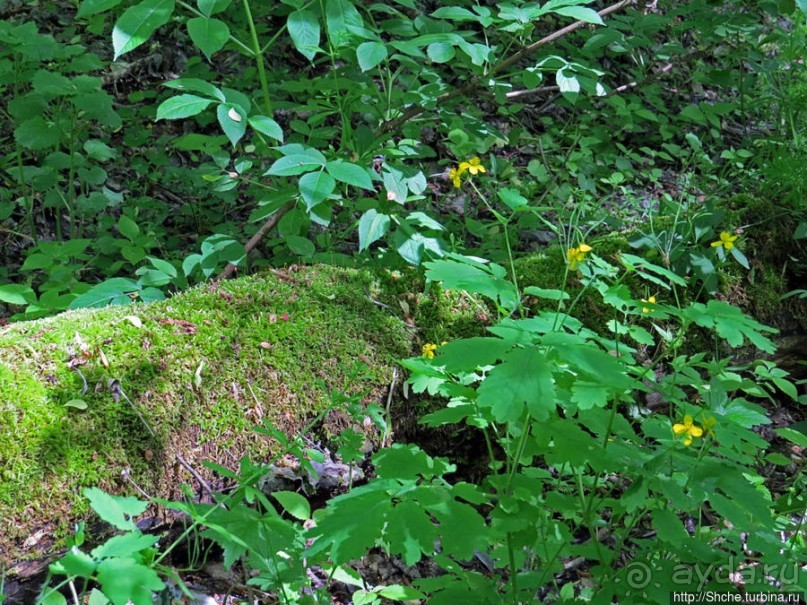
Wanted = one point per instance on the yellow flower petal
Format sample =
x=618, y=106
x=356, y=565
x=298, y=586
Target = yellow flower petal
x=695, y=431
x=585, y=248
x=679, y=428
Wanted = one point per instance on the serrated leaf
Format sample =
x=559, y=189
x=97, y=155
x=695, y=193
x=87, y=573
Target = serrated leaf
x=138, y=22
x=315, y=187
x=370, y=54
x=209, y=35
x=372, y=227
x=471, y=353
x=182, y=106
x=524, y=378
x=351, y=174
x=37, y=134
x=267, y=126
x=115, y=510
x=125, y=580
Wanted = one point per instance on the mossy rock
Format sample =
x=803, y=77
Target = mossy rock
x=202, y=368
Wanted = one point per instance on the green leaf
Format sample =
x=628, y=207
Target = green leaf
x=455, y=13
x=441, y=52
x=350, y=524
x=567, y=84
x=370, y=54
x=315, y=187
x=124, y=545
x=79, y=404
x=16, y=294
x=342, y=20
x=98, y=150
x=136, y=25
x=409, y=462
x=233, y=121
x=294, y=504
x=92, y=7
x=37, y=134
x=372, y=227
x=97, y=598
x=411, y=533
x=75, y=563
x=209, y=35
x=197, y=85
x=114, y=291
x=581, y=13
x=128, y=228
x=524, y=378
x=115, y=510
x=211, y=7
x=125, y=580
x=547, y=293
x=351, y=174
x=740, y=258
x=304, y=31
x=479, y=278
x=182, y=106
x=300, y=245
x=471, y=353
x=295, y=164
x=512, y=198
x=588, y=395
x=53, y=597
x=267, y=126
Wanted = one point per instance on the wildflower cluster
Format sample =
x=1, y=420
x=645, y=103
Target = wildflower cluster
x=429, y=349
x=473, y=166
x=691, y=431
x=577, y=255
x=651, y=300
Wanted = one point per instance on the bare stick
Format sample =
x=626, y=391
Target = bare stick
x=255, y=239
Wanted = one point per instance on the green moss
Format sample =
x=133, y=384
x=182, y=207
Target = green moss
x=203, y=368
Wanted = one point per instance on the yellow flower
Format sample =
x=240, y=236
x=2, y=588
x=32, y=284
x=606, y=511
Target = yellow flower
x=428, y=350
x=577, y=255
x=651, y=300
x=726, y=241
x=689, y=429
x=454, y=175
x=474, y=166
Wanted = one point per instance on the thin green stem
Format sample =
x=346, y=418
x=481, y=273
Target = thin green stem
x=256, y=50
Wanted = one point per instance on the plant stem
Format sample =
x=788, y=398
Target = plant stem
x=256, y=50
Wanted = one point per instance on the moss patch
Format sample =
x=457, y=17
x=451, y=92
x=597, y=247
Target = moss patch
x=202, y=369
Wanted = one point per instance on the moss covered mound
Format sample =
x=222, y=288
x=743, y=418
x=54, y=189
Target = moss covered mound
x=201, y=369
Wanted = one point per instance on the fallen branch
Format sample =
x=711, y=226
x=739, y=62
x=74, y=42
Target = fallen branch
x=255, y=239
